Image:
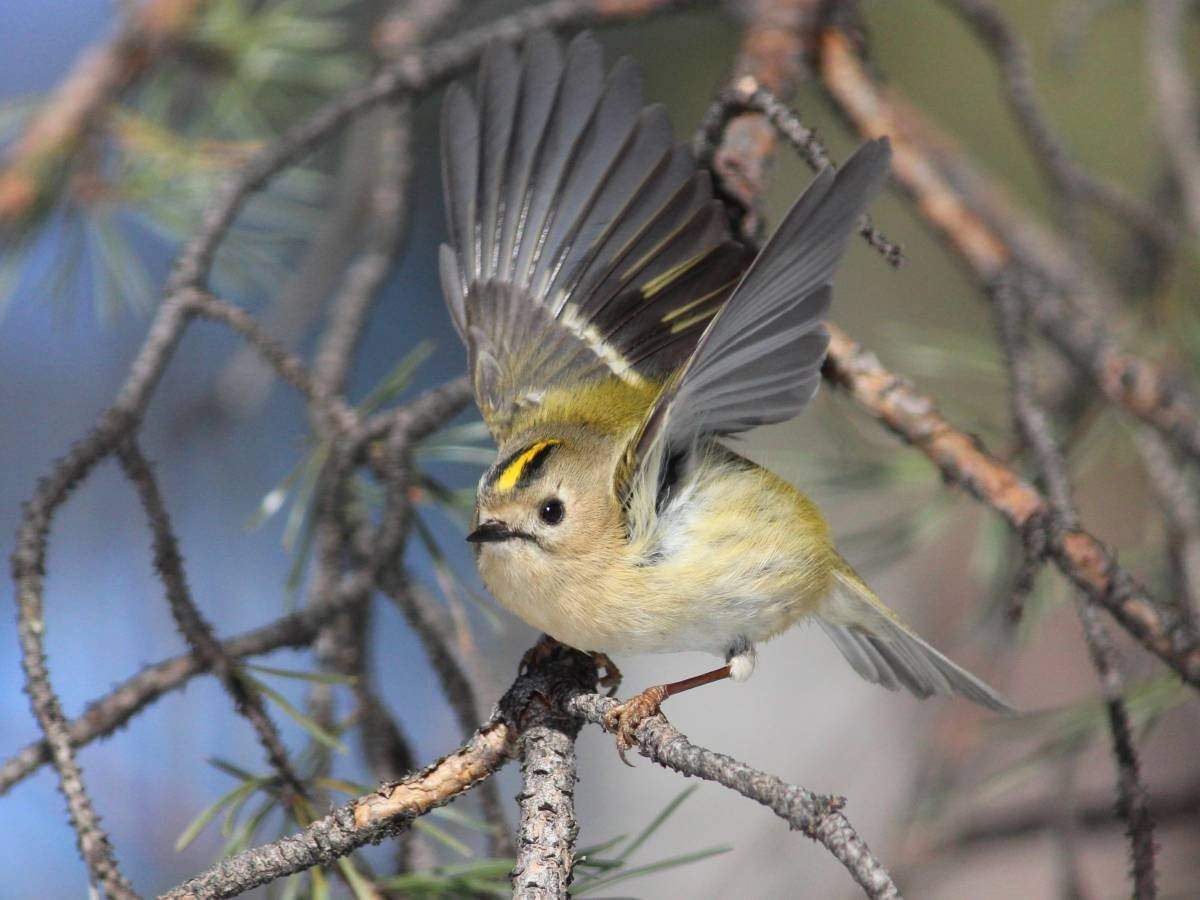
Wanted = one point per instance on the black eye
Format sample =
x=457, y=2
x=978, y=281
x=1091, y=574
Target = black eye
x=552, y=511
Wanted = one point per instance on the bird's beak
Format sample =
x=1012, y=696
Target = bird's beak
x=491, y=530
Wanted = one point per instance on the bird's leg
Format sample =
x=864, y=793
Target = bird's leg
x=611, y=678
x=624, y=718
x=537, y=654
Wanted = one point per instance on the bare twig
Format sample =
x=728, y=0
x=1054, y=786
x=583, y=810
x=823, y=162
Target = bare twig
x=191, y=622
x=1070, y=180
x=245, y=382
x=28, y=565
x=960, y=203
x=410, y=425
x=771, y=56
x=106, y=714
x=1177, y=108
x=1036, y=430
x=286, y=365
x=963, y=461
x=747, y=96
x=1178, y=501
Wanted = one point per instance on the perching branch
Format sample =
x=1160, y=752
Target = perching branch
x=393, y=808
x=548, y=828
x=816, y=815
x=560, y=685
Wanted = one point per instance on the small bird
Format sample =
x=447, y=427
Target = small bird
x=616, y=333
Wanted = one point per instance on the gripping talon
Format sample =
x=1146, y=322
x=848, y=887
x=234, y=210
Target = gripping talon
x=624, y=718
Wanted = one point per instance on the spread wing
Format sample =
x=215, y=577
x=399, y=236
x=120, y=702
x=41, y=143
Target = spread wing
x=584, y=243
x=759, y=360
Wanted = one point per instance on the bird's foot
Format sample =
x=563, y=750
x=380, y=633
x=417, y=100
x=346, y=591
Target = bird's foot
x=611, y=678
x=624, y=718
x=538, y=654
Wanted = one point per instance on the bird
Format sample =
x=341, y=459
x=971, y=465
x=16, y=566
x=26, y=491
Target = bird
x=618, y=337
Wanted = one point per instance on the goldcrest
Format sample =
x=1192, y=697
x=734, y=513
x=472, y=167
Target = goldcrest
x=616, y=332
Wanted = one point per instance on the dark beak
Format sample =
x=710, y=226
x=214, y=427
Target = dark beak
x=491, y=530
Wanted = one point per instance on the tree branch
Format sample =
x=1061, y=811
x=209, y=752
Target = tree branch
x=960, y=457
x=961, y=204
x=818, y=816
x=192, y=625
x=1034, y=426
x=367, y=820
x=747, y=96
x=963, y=461
x=771, y=55
x=371, y=818
x=1181, y=510
x=546, y=835
x=1177, y=108
x=562, y=684
x=1068, y=179
x=286, y=364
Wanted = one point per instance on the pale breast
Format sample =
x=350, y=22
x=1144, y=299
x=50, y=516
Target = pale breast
x=738, y=555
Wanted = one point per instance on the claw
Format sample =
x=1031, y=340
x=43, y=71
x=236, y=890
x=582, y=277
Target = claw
x=537, y=654
x=624, y=718
x=611, y=678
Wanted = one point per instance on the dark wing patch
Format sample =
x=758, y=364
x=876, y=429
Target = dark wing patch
x=583, y=241
x=759, y=360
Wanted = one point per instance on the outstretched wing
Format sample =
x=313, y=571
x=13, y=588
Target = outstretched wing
x=584, y=243
x=759, y=360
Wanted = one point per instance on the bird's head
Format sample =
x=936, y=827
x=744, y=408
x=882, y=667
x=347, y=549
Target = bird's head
x=546, y=502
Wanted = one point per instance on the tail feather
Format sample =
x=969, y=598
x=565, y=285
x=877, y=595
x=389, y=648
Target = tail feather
x=884, y=651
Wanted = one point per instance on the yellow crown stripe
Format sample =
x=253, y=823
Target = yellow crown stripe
x=512, y=472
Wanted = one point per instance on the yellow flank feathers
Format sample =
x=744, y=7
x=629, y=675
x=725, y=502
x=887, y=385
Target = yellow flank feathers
x=512, y=473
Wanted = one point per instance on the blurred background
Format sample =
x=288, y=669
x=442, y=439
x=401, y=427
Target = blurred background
x=80, y=277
